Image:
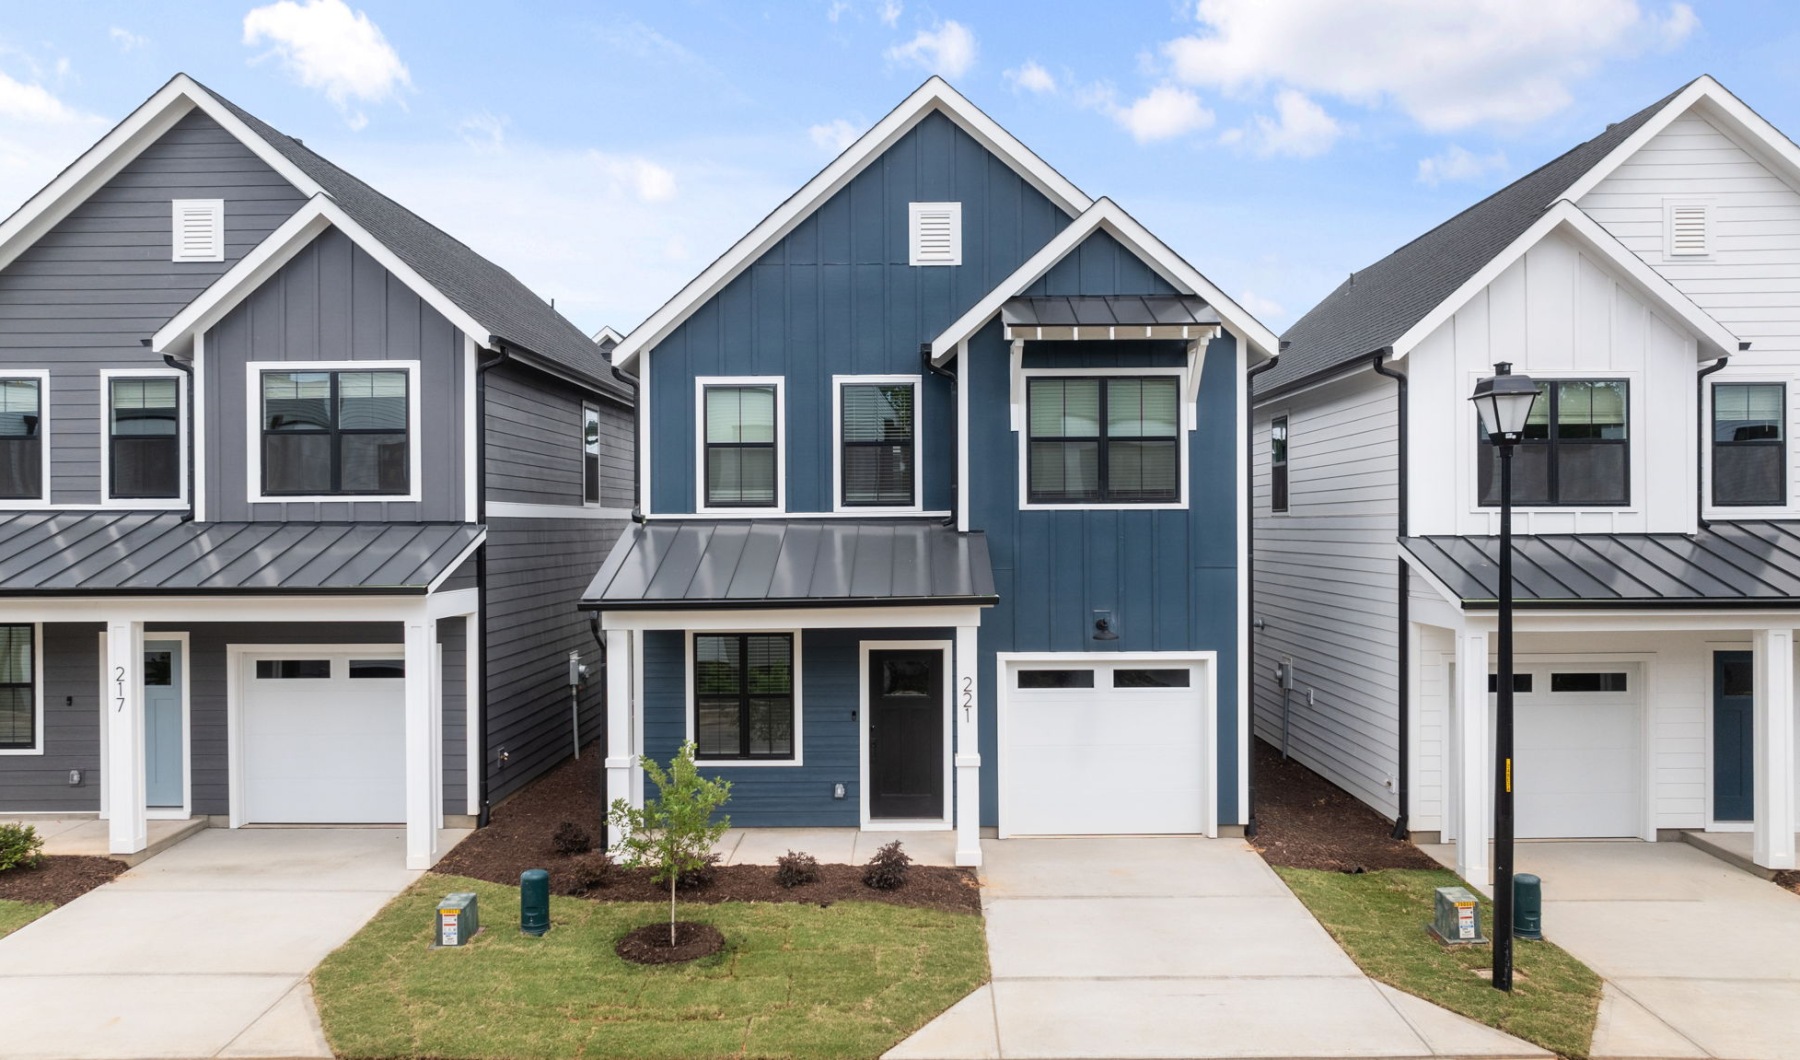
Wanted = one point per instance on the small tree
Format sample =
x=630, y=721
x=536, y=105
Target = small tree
x=674, y=832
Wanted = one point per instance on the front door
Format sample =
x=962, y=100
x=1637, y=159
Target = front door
x=906, y=734
x=164, y=732
x=1734, y=776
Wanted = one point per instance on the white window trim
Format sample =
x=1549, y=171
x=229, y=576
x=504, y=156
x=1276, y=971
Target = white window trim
x=42, y=500
x=590, y=407
x=37, y=692
x=107, y=500
x=687, y=682
x=1183, y=438
x=1468, y=438
x=1670, y=205
x=781, y=450
x=1790, y=383
x=904, y=824
x=838, y=382
x=253, y=490
x=217, y=208
x=915, y=211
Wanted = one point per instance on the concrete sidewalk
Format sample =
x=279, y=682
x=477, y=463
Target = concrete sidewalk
x=201, y=951
x=1173, y=948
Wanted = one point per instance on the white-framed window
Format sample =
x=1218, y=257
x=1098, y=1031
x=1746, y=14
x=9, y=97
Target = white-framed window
x=590, y=455
x=1749, y=444
x=934, y=233
x=24, y=438
x=875, y=439
x=1687, y=228
x=741, y=440
x=1576, y=451
x=143, y=437
x=197, y=230
x=21, y=689
x=333, y=430
x=744, y=706
x=1278, y=464
x=1102, y=438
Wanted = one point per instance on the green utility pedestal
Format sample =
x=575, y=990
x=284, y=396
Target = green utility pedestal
x=534, y=901
x=1528, y=907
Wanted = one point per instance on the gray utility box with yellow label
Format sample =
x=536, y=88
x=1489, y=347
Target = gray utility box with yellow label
x=1458, y=920
x=457, y=920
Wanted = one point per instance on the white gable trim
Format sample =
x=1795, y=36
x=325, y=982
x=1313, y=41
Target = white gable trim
x=1714, y=339
x=608, y=332
x=114, y=151
x=255, y=268
x=934, y=95
x=1106, y=215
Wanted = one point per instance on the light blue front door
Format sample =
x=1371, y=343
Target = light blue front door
x=163, y=735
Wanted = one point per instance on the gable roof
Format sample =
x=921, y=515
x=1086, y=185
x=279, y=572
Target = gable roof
x=934, y=96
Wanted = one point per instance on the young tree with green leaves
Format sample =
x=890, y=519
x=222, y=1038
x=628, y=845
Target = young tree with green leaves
x=674, y=832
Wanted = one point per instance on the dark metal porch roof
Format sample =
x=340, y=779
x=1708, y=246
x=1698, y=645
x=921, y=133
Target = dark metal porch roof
x=162, y=553
x=1173, y=310
x=1727, y=565
x=780, y=563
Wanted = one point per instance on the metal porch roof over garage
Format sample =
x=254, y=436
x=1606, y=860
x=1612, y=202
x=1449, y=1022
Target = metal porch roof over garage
x=165, y=554
x=778, y=563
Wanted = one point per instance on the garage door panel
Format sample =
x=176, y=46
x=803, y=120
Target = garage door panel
x=1578, y=766
x=323, y=750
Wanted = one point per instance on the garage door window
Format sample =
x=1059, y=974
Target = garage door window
x=1521, y=683
x=1150, y=678
x=744, y=695
x=383, y=668
x=1588, y=682
x=1056, y=679
x=293, y=669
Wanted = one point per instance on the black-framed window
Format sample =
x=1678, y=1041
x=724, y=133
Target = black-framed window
x=1576, y=449
x=1109, y=440
x=741, y=455
x=876, y=427
x=744, y=695
x=143, y=438
x=21, y=441
x=1749, y=457
x=335, y=432
x=18, y=688
x=590, y=454
x=1278, y=464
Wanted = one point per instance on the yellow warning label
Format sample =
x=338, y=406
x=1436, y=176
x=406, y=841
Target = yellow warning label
x=1509, y=776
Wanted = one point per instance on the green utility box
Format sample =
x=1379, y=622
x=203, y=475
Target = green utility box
x=1458, y=919
x=458, y=919
x=1528, y=907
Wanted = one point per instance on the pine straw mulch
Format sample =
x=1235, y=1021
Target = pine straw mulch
x=60, y=878
x=1306, y=822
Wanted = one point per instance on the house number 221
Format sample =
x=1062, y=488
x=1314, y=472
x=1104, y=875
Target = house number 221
x=968, y=696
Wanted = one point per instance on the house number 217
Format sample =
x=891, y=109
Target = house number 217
x=119, y=683
x=968, y=696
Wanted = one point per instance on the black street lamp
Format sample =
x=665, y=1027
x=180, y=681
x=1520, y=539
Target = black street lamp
x=1504, y=402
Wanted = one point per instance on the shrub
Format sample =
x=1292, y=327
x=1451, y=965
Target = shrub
x=887, y=870
x=20, y=847
x=793, y=869
x=701, y=875
x=674, y=833
x=589, y=872
x=571, y=839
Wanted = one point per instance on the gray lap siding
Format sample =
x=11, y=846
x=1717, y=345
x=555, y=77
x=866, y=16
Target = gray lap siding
x=71, y=737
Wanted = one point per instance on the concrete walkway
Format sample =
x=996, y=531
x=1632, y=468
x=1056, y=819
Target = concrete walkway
x=201, y=951
x=1173, y=948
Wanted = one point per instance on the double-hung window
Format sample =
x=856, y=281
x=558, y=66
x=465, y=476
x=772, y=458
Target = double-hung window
x=590, y=454
x=1749, y=456
x=1278, y=464
x=744, y=695
x=143, y=437
x=878, y=461
x=1575, y=450
x=18, y=688
x=21, y=439
x=335, y=432
x=1111, y=440
x=741, y=432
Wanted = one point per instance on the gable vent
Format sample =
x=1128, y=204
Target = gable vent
x=199, y=230
x=1689, y=229
x=934, y=233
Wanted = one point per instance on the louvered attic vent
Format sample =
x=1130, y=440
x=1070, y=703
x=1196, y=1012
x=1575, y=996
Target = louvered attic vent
x=199, y=230
x=1689, y=229
x=935, y=233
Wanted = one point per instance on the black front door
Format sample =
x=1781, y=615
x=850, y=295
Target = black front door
x=1734, y=771
x=906, y=734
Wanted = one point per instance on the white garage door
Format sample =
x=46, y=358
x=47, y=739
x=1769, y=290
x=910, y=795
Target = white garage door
x=1095, y=746
x=324, y=738
x=1577, y=753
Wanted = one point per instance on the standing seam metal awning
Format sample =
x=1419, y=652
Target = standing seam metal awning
x=1173, y=316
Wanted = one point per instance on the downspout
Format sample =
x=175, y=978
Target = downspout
x=1402, y=643
x=501, y=356
x=955, y=442
x=1247, y=667
x=1700, y=433
x=193, y=466
x=637, y=482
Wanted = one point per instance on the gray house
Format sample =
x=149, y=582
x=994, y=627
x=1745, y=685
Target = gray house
x=297, y=494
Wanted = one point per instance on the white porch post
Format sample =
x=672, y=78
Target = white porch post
x=422, y=818
x=1473, y=826
x=967, y=706
x=1773, y=840
x=620, y=761
x=128, y=829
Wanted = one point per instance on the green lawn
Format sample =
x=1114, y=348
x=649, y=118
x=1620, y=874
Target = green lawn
x=1379, y=919
x=850, y=980
x=15, y=915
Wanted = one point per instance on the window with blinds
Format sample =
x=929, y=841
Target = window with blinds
x=1749, y=456
x=875, y=425
x=744, y=695
x=1113, y=440
x=1576, y=449
x=934, y=233
x=335, y=432
x=740, y=441
x=21, y=439
x=144, y=438
x=199, y=229
x=18, y=688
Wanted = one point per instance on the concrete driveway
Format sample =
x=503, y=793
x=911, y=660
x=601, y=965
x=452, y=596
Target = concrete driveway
x=203, y=950
x=1173, y=948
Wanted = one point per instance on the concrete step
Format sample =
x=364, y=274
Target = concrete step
x=1733, y=848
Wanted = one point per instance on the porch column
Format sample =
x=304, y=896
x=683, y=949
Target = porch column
x=1772, y=844
x=620, y=761
x=422, y=818
x=968, y=749
x=1474, y=826
x=128, y=828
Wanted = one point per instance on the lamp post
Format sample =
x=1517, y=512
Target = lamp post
x=1504, y=402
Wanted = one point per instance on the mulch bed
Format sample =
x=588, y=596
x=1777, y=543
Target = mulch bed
x=650, y=943
x=1306, y=822
x=518, y=837
x=60, y=878
x=1788, y=878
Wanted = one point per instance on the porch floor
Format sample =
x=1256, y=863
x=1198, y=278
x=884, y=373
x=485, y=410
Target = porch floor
x=832, y=846
x=1733, y=848
x=86, y=835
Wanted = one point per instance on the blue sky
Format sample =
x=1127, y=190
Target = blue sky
x=605, y=152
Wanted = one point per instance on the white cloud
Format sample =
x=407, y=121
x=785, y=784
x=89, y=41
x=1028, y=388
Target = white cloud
x=331, y=48
x=33, y=103
x=834, y=135
x=1447, y=66
x=1300, y=128
x=1166, y=112
x=646, y=180
x=484, y=130
x=40, y=134
x=890, y=12
x=1458, y=163
x=948, y=50
x=836, y=10
x=1031, y=76
x=1264, y=309
x=127, y=40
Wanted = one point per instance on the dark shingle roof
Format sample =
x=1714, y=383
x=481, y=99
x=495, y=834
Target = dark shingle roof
x=1378, y=304
x=481, y=288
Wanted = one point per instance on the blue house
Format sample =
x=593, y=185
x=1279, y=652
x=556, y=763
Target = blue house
x=941, y=508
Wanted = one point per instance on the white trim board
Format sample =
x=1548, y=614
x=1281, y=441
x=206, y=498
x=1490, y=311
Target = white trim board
x=776, y=619
x=946, y=678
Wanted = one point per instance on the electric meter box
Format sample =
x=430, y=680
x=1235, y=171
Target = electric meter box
x=458, y=919
x=1458, y=920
